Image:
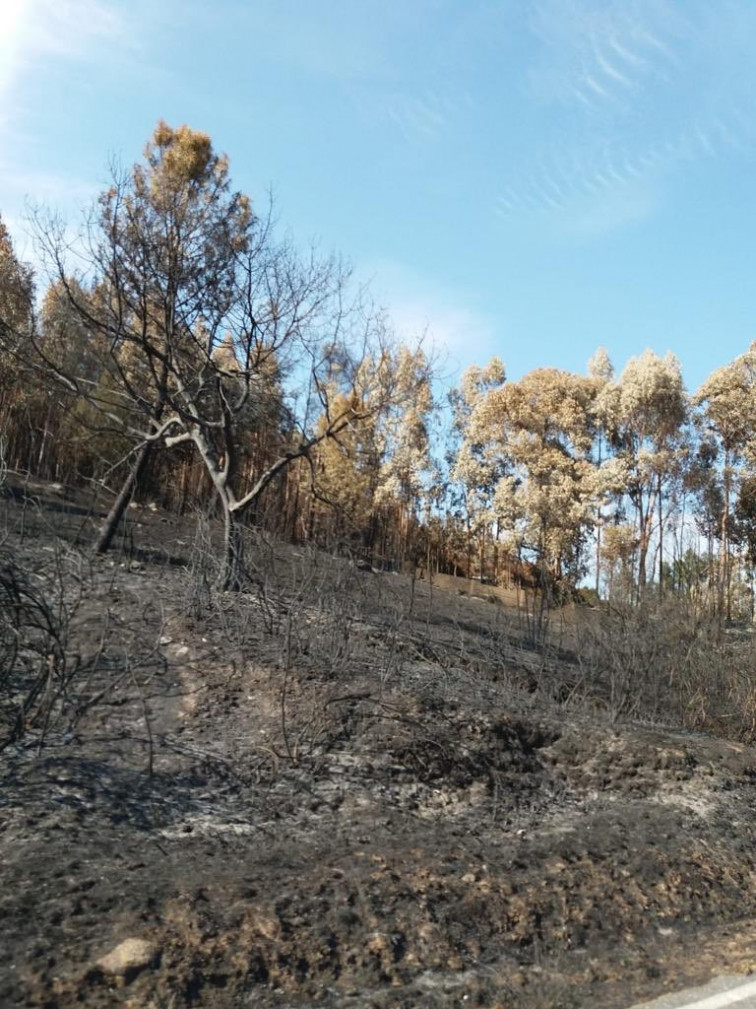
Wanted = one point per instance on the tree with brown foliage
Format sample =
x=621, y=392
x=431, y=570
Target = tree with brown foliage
x=195, y=303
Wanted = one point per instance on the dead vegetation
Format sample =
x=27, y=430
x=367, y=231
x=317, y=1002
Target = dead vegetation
x=355, y=789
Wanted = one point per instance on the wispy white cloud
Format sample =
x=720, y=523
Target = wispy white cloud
x=35, y=34
x=601, y=55
x=611, y=172
x=31, y=29
x=420, y=306
x=626, y=55
x=644, y=89
x=421, y=113
x=35, y=195
x=11, y=32
x=612, y=211
x=35, y=31
x=23, y=190
x=20, y=236
x=448, y=328
x=416, y=117
x=609, y=70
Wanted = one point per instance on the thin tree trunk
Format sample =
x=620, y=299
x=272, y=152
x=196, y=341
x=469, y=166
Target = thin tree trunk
x=496, y=555
x=43, y=443
x=710, y=594
x=598, y=527
x=469, y=546
x=724, y=591
x=642, y=550
x=661, y=542
x=125, y=495
x=232, y=572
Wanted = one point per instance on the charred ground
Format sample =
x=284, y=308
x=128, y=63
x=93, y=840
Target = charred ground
x=355, y=789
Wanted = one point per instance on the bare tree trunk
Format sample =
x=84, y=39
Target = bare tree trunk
x=645, y=528
x=496, y=555
x=724, y=589
x=642, y=551
x=231, y=577
x=661, y=541
x=710, y=579
x=121, y=503
x=469, y=543
x=598, y=529
x=43, y=443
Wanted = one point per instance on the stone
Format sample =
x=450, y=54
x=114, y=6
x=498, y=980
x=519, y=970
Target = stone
x=128, y=958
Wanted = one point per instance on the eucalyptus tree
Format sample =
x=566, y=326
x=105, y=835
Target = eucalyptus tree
x=16, y=291
x=371, y=474
x=70, y=443
x=16, y=322
x=727, y=400
x=648, y=412
x=343, y=472
x=543, y=428
x=745, y=526
x=404, y=440
x=601, y=370
x=477, y=465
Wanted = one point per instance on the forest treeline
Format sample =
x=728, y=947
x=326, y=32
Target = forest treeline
x=179, y=350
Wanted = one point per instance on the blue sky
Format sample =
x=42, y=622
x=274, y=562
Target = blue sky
x=531, y=179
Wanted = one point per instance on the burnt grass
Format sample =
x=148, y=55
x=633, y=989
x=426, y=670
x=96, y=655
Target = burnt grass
x=343, y=789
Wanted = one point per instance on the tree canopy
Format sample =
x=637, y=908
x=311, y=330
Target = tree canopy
x=182, y=349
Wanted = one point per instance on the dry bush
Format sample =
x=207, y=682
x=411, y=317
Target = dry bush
x=36, y=667
x=35, y=670
x=3, y=492
x=666, y=662
x=202, y=569
x=316, y=621
x=308, y=615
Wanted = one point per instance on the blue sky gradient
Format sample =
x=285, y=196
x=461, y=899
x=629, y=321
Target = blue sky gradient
x=531, y=179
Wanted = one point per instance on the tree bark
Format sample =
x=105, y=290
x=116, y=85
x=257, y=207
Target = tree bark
x=598, y=528
x=725, y=593
x=231, y=577
x=661, y=540
x=125, y=495
x=642, y=551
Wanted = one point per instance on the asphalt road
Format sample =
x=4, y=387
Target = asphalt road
x=721, y=993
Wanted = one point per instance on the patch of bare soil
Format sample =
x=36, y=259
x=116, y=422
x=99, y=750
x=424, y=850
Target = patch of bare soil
x=320, y=793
